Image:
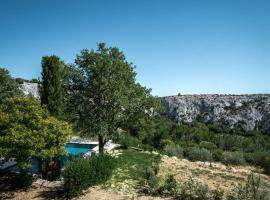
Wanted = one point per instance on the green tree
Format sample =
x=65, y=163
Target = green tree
x=108, y=93
x=8, y=85
x=70, y=77
x=27, y=131
x=51, y=91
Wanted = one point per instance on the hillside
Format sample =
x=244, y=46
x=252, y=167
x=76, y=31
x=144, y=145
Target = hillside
x=128, y=178
x=246, y=111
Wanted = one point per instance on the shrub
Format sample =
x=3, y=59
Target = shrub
x=261, y=159
x=251, y=190
x=201, y=154
x=217, y=155
x=174, y=150
x=152, y=180
x=170, y=184
x=154, y=185
x=235, y=158
x=208, y=145
x=217, y=194
x=126, y=140
x=193, y=189
x=79, y=173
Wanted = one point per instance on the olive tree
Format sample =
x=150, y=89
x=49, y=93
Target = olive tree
x=107, y=93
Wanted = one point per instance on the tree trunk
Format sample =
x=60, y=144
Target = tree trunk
x=101, y=145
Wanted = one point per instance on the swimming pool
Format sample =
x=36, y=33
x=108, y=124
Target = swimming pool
x=78, y=148
x=73, y=150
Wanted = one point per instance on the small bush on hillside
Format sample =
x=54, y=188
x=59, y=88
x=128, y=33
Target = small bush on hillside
x=170, y=184
x=174, y=150
x=201, y=154
x=79, y=173
x=235, y=158
x=217, y=194
x=251, y=190
x=193, y=189
x=153, y=185
x=208, y=145
x=217, y=155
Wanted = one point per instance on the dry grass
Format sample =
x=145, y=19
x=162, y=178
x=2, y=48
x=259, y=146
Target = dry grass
x=215, y=176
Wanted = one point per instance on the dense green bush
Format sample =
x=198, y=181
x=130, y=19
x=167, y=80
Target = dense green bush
x=170, y=184
x=208, y=145
x=126, y=140
x=79, y=173
x=174, y=150
x=200, y=154
x=235, y=158
x=261, y=159
x=217, y=155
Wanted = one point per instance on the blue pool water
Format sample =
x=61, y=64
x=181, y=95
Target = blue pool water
x=77, y=149
x=73, y=149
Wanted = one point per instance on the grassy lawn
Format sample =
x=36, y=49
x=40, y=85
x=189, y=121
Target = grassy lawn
x=129, y=173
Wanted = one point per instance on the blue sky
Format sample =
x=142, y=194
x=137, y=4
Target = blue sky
x=186, y=46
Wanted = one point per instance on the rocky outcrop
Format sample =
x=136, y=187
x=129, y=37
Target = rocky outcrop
x=30, y=89
x=249, y=111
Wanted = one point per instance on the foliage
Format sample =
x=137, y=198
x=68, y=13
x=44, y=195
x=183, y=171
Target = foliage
x=80, y=173
x=201, y=154
x=261, y=159
x=126, y=140
x=174, y=150
x=108, y=93
x=170, y=184
x=55, y=133
x=235, y=158
x=193, y=189
x=251, y=190
x=208, y=145
x=153, y=185
x=70, y=76
x=8, y=86
x=217, y=155
x=51, y=91
x=27, y=131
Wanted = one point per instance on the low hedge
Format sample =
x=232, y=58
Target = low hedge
x=79, y=173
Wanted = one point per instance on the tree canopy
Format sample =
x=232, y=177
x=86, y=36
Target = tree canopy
x=27, y=131
x=8, y=85
x=107, y=94
x=51, y=92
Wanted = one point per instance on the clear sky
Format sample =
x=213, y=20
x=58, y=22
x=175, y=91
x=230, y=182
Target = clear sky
x=186, y=46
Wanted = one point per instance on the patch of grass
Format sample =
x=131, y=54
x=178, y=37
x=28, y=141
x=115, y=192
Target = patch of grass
x=130, y=166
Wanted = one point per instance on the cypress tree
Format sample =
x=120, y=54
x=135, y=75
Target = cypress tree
x=51, y=92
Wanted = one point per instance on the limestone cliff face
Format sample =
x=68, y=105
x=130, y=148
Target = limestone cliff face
x=249, y=111
x=30, y=89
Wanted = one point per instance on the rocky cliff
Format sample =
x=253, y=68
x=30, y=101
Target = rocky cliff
x=30, y=89
x=249, y=111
